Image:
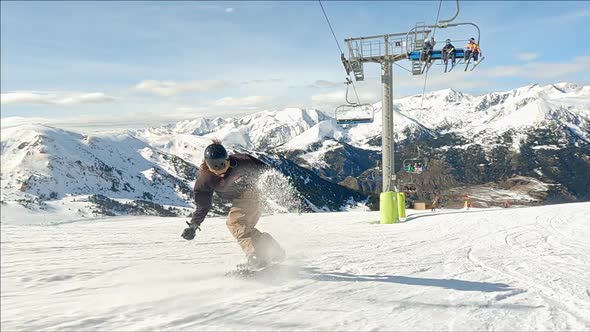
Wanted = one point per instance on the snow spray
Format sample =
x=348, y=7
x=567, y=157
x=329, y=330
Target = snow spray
x=277, y=193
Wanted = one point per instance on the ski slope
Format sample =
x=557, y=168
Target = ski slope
x=493, y=269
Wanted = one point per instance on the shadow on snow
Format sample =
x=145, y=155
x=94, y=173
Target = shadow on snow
x=462, y=285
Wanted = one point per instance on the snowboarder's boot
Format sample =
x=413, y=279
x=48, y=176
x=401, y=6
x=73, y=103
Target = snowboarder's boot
x=279, y=255
x=256, y=263
x=269, y=249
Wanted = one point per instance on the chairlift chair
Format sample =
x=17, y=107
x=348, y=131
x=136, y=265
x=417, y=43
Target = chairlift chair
x=415, y=165
x=376, y=175
x=419, y=66
x=408, y=188
x=354, y=113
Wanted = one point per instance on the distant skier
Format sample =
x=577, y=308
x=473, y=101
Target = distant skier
x=467, y=203
x=472, y=50
x=233, y=177
x=435, y=202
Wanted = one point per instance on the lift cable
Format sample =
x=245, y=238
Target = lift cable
x=426, y=75
x=330, y=25
x=337, y=43
x=402, y=67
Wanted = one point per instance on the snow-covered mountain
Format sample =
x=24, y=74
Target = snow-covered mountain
x=542, y=132
x=258, y=131
x=41, y=163
x=51, y=163
x=498, y=112
x=538, y=131
x=482, y=118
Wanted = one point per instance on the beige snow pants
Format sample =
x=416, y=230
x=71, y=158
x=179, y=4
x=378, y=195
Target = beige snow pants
x=241, y=222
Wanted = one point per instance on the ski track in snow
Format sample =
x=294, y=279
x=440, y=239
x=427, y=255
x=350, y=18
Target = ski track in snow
x=494, y=269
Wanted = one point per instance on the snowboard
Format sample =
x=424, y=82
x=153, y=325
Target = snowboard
x=246, y=271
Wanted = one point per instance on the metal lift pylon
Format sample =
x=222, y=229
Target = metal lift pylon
x=386, y=50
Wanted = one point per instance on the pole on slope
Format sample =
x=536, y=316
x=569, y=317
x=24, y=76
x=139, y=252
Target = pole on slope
x=401, y=205
x=388, y=199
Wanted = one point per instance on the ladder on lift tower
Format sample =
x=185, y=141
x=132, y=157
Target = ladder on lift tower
x=420, y=33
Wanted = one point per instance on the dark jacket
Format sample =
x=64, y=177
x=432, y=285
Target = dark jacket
x=239, y=179
x=449, y=48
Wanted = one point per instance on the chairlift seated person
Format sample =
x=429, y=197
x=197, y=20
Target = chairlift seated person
x=448, y=51
x=427, y=49
x=416, y=167
x=472, y=50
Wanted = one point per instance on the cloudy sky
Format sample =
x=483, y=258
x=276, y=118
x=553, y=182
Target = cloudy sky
x=155, y=62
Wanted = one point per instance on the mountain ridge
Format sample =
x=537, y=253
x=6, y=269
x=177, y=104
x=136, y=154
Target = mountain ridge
x=477, y=139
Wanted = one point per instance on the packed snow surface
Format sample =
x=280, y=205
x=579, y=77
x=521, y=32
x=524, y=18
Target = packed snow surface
x=494, y=269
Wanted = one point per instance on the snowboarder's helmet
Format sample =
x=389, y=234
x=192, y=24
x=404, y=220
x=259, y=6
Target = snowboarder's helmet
x=216, y=157
x=472, y=40
x=427, y=40
x=448, y=41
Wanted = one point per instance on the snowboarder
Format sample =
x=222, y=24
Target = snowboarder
x=233, y=177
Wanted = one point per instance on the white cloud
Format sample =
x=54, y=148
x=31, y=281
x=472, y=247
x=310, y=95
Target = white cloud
x=570, y=17
x=457, y=79
x=171, y=88
x=329, y=98
x=540, y=70
x=188, y=109
x=85, y=122
x=229, y=10
x=262, y=81
x=240, y=101
x=368, y=94
x=527, y=56
x=54, y=98
x=486, y=79
x=125, y=120
x=320, y=84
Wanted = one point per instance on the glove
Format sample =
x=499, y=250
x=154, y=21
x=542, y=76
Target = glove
x=189, y=232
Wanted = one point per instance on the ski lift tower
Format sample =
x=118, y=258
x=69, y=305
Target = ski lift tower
x=384, y=50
